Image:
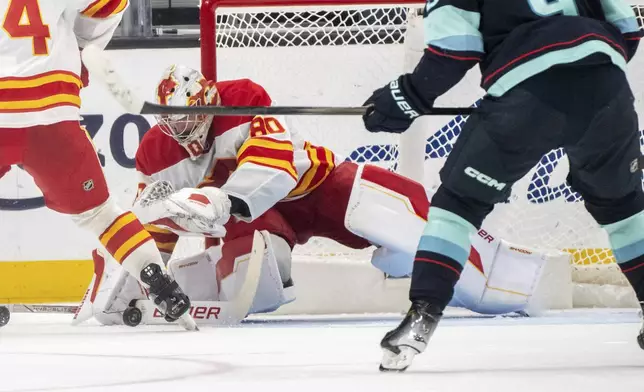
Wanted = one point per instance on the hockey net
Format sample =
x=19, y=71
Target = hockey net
x=335, y=53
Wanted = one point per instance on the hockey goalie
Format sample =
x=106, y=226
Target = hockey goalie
x=226, y=177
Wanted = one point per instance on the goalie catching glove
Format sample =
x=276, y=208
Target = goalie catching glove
x=189, y=210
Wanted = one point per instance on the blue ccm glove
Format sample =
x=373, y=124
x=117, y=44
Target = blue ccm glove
x=393, y=107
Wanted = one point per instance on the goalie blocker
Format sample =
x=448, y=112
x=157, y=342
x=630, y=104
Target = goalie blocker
x=500, y=277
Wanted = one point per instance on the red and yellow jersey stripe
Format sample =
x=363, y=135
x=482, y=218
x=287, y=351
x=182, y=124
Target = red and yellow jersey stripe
x=124, y=236
x=322, y=164
x=165, y=240
x=268, y=152
x=39, y=92
x=102, y=9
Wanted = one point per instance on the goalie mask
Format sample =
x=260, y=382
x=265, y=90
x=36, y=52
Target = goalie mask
x=183, y=86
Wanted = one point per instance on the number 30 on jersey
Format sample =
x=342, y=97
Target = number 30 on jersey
x=24, y=20
x=554, y=7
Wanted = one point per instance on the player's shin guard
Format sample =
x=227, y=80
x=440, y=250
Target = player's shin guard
x=627, y=241
x=441, y=255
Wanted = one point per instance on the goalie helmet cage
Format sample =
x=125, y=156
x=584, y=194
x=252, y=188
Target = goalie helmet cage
x=335, y=53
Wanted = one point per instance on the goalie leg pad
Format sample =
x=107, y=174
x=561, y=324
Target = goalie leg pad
x=109, y=293
x=231, y=272
x=389, y=211
x=197, y=274
x=499, y=277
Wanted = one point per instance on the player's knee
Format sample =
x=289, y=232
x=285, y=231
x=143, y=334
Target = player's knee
x=98, y=218
x=607, y=211
x=472, y=210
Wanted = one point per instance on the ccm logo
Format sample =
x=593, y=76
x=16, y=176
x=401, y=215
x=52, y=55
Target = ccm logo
x=198, y=313
x=484, y=179
x=400, y=100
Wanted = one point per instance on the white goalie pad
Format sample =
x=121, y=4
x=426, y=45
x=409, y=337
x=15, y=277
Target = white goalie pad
x=213, y=280
x=201, y=211
x=109, y=293
x=271, y=293
x=499, y=277
x=391, y=219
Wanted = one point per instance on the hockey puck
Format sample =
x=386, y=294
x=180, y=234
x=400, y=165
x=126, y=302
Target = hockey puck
x=132, y=316
x=5, y=316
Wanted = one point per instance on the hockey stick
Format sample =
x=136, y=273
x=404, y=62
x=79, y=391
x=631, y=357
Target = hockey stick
x=151, y=108
x=99, y=66
x=38, y=308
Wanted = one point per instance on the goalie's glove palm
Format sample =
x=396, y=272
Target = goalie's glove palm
x=199, y=211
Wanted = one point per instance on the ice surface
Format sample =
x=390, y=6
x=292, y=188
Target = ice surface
x=571, y=351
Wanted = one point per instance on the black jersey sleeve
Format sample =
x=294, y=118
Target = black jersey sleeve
x=622, y=16
x=454, y=45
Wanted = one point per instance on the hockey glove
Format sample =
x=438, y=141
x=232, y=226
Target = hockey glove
x=393, y=107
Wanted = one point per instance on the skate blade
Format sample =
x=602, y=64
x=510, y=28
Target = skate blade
x=392, y=362
x=187, y=322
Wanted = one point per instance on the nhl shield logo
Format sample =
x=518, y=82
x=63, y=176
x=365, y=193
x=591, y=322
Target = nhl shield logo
x=634, y=165
x=88, y=185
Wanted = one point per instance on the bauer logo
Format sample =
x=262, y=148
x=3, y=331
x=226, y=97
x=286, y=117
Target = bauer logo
x=197, y=312
x=401, y=101
x=126, y=127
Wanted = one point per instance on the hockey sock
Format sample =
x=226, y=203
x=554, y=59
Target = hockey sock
x=441, y=255
x=627, y=240
x=122, y=234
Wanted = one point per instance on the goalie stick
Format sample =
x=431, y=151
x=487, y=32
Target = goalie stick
x=99, y=66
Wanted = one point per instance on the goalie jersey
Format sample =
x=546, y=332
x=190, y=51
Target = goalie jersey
x=514, y=40
x=256, y=159
x=41, y=66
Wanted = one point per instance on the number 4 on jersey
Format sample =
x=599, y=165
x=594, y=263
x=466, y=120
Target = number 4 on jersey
x=553, y=7
x=24, y=20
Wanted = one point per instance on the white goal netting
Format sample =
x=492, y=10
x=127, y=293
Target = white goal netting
x=336, y=56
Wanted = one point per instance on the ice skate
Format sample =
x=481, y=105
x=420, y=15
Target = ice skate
x=167, y=296
x=410, y=337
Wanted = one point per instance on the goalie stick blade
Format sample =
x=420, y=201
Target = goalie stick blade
x=100, y=67
x=244, y=299
x=151, y=108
